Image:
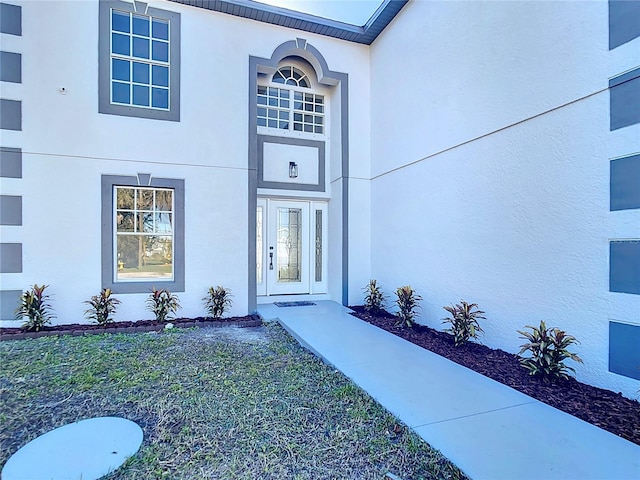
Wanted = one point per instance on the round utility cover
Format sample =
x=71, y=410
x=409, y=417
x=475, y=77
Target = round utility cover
x=84, y=450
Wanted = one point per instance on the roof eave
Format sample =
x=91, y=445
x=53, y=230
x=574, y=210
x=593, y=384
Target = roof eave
x=284, y=17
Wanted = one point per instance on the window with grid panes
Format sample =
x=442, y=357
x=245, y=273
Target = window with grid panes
x=273, y=107
x=140, y=60
x=144, y=233
x=291, y=76
x=308, y=112
x=295, y=109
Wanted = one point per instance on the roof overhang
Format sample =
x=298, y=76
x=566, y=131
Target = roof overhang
x=284, y=17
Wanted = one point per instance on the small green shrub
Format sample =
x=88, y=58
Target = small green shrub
x=374, y=299
x=217, y=301
x=34, y=305
x=163, y=304
x=407, y=304
x=464, y=322
x=548, y=347
x=102, y=307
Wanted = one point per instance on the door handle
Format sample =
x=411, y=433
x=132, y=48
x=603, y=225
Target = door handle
x=270, y=258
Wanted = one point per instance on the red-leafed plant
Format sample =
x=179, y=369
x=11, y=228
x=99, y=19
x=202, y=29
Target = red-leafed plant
x=374, y=299
x=163, y=304
x=549, y=349
x=102, y=307
x=407, y=304
x=34, y=305
x=217, y=301
x=464, y=322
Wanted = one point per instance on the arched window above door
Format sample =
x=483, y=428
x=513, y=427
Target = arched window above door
x=291, y=76
x=289, y=105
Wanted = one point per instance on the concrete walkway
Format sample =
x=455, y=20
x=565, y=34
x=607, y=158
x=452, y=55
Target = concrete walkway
x=487, y=429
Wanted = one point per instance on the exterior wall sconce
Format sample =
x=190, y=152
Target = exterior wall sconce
x=293, y=170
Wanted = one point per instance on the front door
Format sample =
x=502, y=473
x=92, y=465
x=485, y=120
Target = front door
x=285, y=247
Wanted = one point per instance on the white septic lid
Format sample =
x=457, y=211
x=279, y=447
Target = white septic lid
x=84, y=450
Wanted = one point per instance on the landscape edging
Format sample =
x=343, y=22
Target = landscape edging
x=21, y=335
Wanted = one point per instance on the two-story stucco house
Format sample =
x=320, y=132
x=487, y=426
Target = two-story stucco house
x=479, y=150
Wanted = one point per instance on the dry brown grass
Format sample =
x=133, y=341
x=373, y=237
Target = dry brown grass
x=213, y=403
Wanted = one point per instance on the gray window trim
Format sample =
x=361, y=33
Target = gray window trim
x=108, y=182
x=104, y=70
x=257, y=65
x=318, y=187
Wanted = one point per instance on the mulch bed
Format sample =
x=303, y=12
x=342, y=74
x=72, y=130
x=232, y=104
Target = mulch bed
x=128, y=327
x=603, y=408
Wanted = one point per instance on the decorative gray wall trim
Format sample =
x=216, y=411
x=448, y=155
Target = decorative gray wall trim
x=624, y=349
x=625, y=183
x=10, y=19
x=10, y=162
x=10, y=114
x=624, y=96
x=10, y=210
x=10, y=258
x=144, y=179
x=344, y=100
x=108, y=281
x=319, y=187
x=624, y=266
x=10, y=67
x=284, y=17
x=140, y=6
x=624, y=77
x=624, y=22
x=299, y=48
x=104, y=67
x=9, y=300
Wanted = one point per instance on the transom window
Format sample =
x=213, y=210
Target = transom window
x=308, y=112
x=290, y=109
x=140, y=60
x=291, y=76
x=144, y=233
x=274, y=107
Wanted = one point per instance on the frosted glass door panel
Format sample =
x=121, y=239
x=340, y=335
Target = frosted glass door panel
x=287, y=247
x=289, y=244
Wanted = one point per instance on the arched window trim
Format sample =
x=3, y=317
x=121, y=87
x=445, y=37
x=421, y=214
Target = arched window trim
x=337, y=85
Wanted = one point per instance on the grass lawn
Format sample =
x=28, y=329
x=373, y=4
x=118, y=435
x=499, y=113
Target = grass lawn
x=213, y=403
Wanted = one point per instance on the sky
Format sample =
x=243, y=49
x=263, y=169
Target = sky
x=356, y=12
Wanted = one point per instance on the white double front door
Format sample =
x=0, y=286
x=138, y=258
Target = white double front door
x=290, y=247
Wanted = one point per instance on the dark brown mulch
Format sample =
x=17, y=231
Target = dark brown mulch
x=603, y=408
x=127, y=327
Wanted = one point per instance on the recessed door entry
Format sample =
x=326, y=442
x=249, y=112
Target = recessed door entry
x=290, y=247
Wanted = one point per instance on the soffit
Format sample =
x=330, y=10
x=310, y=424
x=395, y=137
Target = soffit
x=305, y=22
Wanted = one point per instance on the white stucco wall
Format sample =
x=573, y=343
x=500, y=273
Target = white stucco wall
x=68, y=145
x=479, y=151
x=491, y=180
